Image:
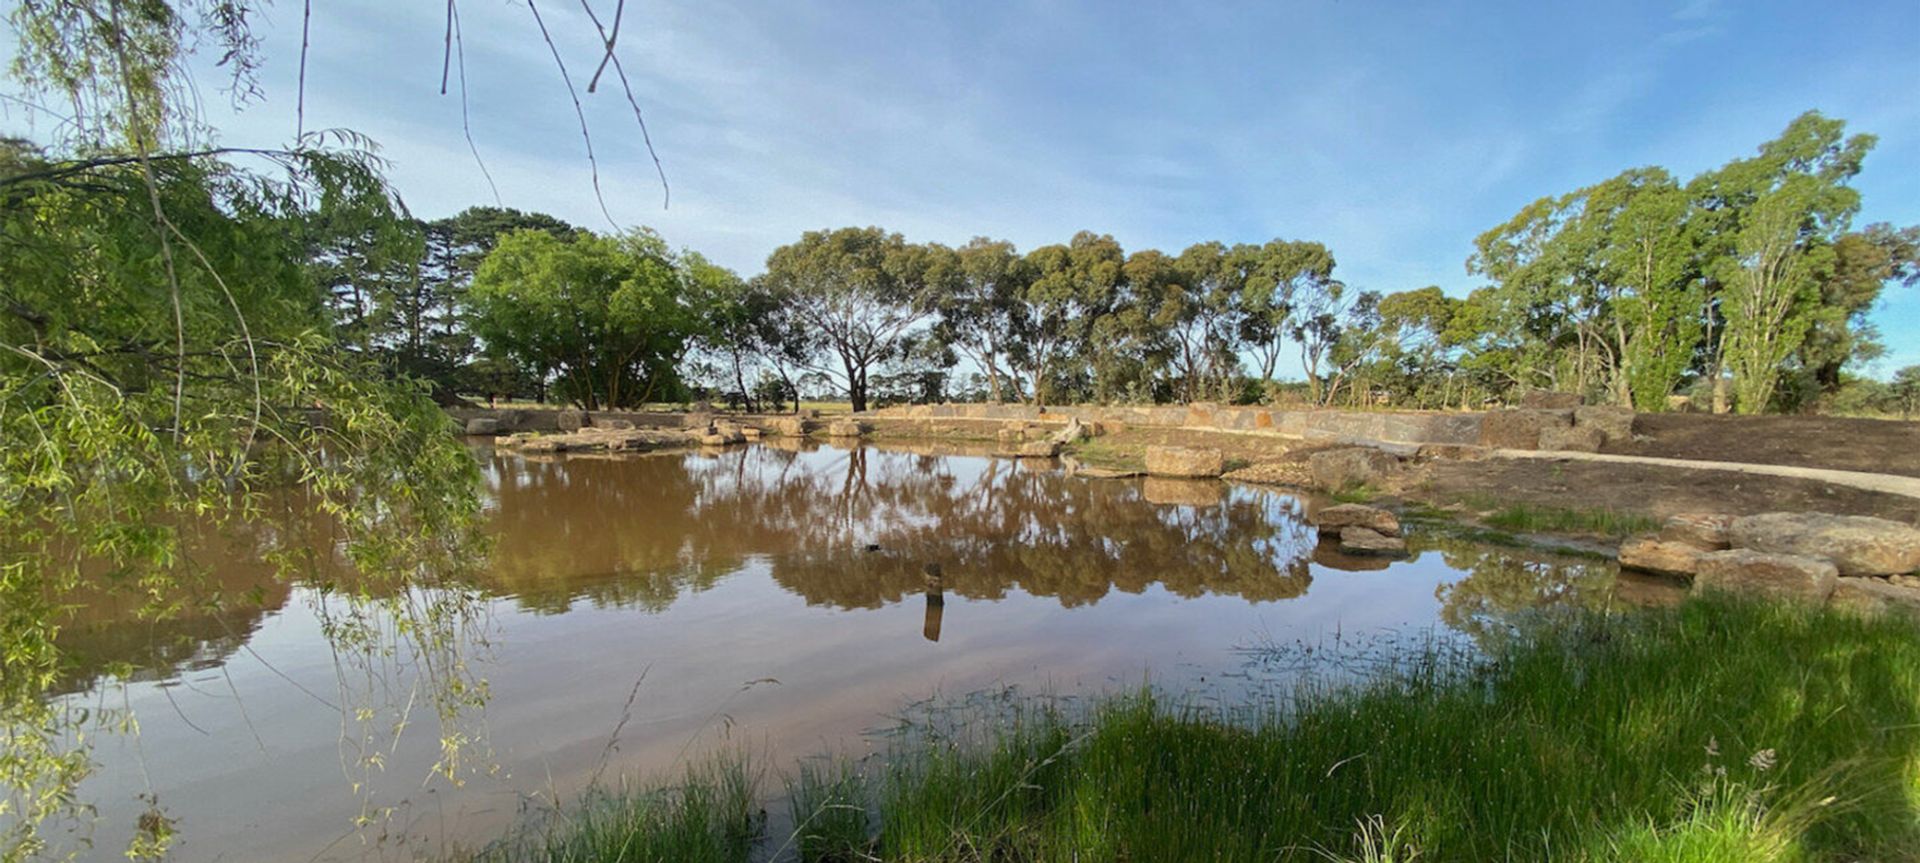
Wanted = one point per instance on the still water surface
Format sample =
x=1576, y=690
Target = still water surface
x=775, y=598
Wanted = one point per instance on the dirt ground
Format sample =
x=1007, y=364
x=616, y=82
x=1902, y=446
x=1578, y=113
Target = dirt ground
x=1878, y=446
x=1653, y=491
x=1883, y=446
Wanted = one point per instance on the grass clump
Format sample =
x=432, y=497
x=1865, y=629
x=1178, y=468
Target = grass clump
x=711, y=816
x=831, y=823
x=1719, y=731
x=1102, y=453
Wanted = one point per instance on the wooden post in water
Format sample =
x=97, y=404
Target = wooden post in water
x=936, y=602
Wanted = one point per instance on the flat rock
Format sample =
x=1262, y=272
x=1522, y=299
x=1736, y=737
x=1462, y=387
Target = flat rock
x=1704, y=531
x=1184, y=462
x=1657, y=554
x=1336, y=518
x=1520, y=429
x=1360, y=541
x=1613, y=423
x=1873, y=597
x=1768, y=574
x=787, y=426
x=1340, y=469
x=1857, y=544
x=1273, y=473
x=1107, y=473
x=1037, y=449
x=845, y=428
x=483, y=426
x=1571, y=439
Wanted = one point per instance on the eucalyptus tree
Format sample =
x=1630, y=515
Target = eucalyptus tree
x=1057, y=315
x=1207, y=327
x=976, y=288
x=1865, y=262
x=608, y=317
x=1768, y=224
x=1278, y=276
x=861, y=293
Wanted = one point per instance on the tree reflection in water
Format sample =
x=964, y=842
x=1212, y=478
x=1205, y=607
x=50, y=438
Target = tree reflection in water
x=859, y=528
x=849, y=529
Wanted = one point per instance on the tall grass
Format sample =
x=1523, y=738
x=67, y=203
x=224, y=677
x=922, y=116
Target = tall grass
x=1715, y=732
x=1719, y=731
x=710, y=816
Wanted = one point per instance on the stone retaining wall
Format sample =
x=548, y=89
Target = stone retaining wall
x=1399, y=427
x=513, y=420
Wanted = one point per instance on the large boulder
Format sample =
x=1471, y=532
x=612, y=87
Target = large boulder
x=1873, y=597
x=1704, y=531
x=1520, y=429
x=845, y=428
x=1571, y=439
x=787, y=426
x=1339, y=469
x=1361, y=542
x=1656, y=554
x=1613, y=423
x=1336, y=518
x=483, y=426
x=1857, y=544
x=1184, y=462
x=569, y=420
x=1778, y=576
x=1038, y=449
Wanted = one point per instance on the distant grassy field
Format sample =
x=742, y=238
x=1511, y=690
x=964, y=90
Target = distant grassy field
x=1717, y=731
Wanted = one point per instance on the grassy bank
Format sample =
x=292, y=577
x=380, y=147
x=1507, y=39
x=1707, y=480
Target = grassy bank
x=1718, y=731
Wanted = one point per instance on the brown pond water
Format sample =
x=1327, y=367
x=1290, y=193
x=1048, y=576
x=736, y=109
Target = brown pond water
x=772, y=598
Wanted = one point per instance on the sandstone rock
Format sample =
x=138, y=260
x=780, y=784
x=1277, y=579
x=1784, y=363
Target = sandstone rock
x=1183, y=492
x=1571, y=439
x=1613, y=423
x=1336, y=518
x=1857, y=544
x=1105, y=473
x=787, y=426
x=845, y=428
x=1073, y=432
x=1873, y=597
x=1183, y=462
x=1520, y=429
x=752, y=433
x=613, y=425
x=1339, y=469
x=713, y=439
x=1363, y=542
x=1657, y=554
x=569, y=421
x=1274, y=473
x=1038, y=449
x=483, y=426
x=1780, y=576
x=1704, y=531
x=1551, y=400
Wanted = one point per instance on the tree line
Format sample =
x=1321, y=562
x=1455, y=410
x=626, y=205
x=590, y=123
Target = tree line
x=1744, y=288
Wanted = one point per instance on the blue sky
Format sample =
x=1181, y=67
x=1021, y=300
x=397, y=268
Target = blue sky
x=1392, y=131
